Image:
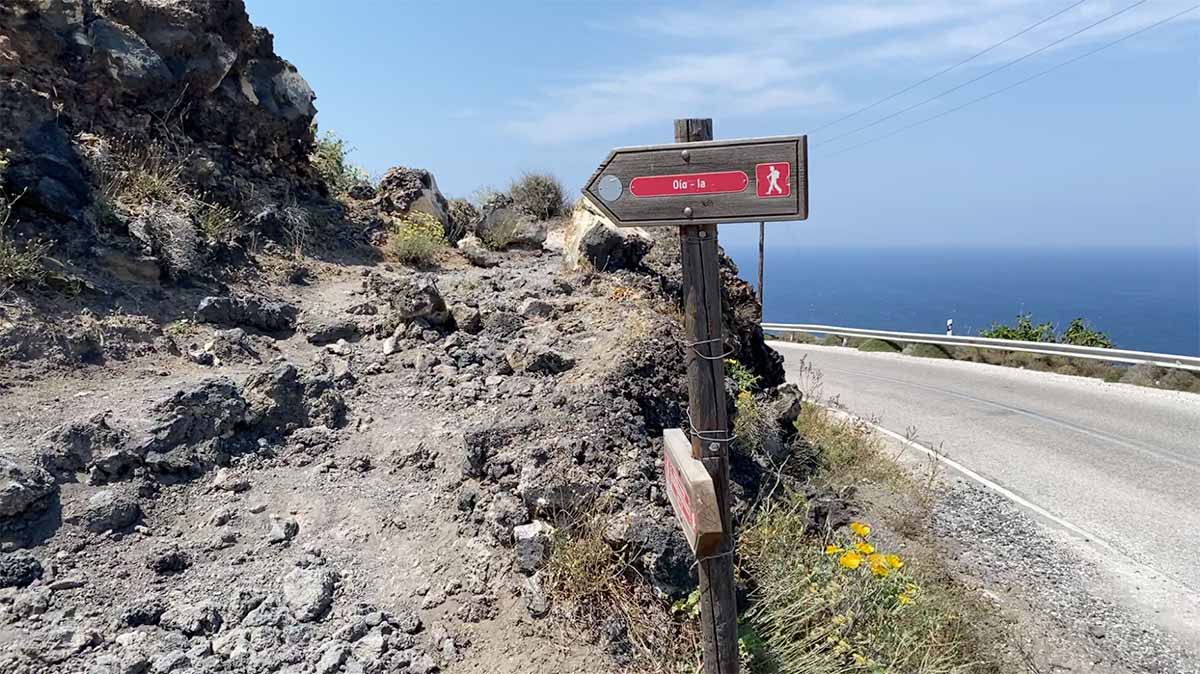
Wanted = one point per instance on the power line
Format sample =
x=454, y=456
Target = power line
x=939, y=73
x=1014, y=85
x=986, y=74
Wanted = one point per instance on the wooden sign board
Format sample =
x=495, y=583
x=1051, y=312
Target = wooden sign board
x=690, y=490
x=747, y=180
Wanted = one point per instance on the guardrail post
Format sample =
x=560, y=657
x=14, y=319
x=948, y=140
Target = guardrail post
x=710, y=429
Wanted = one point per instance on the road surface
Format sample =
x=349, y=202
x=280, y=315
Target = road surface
x=1120, y=462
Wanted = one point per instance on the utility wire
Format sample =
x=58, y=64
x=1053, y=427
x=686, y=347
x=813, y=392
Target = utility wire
x=939, y=73
x=1014, y=85
x=986, y=74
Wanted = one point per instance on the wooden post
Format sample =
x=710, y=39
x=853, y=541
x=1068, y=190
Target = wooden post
x=762, y=299
x=710, y=430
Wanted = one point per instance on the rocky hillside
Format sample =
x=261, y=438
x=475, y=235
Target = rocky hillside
x=236, y=434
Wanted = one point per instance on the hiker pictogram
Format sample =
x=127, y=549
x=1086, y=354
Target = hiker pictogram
x=773, y=180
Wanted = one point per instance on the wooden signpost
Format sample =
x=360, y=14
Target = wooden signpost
x=695, y=184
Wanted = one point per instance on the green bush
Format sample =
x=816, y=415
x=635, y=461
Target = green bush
x=831, y=340
x=1023, y=330
x=878, y=345
x=416, y=239
x=755, y=426
x=927, y=351
x=540, y=195
x=329, y=160
x=743, y=377
x=1081, y=333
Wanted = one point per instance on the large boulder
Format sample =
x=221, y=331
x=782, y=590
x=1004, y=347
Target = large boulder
x=592, y=241
x=265, y=315
x=107, y=510
x=410, y=298
x=405, y=190
x=22, y=487
x=285, y=399
x=507, y=227
x=130, y=64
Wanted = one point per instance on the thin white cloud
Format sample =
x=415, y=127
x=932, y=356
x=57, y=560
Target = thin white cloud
x=827, y=43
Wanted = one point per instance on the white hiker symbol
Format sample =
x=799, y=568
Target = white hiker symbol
x=773, y=180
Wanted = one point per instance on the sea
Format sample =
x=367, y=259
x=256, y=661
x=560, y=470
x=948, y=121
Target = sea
x=1143, y=299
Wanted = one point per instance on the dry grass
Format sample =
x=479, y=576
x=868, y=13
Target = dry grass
x=598, y=589
x=20, y=262
x=834, y=602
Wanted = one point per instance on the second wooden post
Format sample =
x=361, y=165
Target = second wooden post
x=710, y=431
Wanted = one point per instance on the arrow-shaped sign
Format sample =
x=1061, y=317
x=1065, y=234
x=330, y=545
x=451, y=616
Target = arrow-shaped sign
x=746, y=180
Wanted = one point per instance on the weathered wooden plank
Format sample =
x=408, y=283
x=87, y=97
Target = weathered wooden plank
x=710, y=422
x=692, y=495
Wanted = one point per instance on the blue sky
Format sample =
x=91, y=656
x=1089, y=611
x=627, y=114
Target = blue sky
x=1102, y=152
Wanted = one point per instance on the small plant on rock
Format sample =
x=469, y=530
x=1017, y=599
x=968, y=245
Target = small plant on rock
x=416, y=239
x=463, y=217
x=19, y=263
x=329, y=159
x=540, y=195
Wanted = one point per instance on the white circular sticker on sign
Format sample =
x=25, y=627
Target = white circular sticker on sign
x=610, y=188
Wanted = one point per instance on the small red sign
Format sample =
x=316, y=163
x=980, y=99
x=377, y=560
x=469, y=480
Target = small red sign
x=772, y=180
x=689, y=183
x=679, y=492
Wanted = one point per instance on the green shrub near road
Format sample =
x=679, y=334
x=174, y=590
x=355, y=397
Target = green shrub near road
x=878, y=345
x=1079, y=332
x=926, y=351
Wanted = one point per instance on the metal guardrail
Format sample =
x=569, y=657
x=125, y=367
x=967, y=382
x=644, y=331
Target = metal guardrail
x=1047, y=348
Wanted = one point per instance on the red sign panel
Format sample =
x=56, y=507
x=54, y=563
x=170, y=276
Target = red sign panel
x=772, y=180
x=689, y=183
x=679, y=495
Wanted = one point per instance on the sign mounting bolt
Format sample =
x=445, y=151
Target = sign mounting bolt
x=687, y=211
x=686, y=154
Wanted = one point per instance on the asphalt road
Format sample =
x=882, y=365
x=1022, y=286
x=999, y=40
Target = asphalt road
x=1120, y=462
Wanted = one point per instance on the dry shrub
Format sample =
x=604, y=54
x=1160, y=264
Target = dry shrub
x=599, y=590
x=133, y=175
x=416, y=239
x=20, y=262
x=463, y=218
x=832, y=602
x=540, y=195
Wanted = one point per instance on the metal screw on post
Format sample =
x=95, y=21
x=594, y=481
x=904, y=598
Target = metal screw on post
x=706, y=408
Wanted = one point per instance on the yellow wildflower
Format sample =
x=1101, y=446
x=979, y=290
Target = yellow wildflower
x=851, y=560
x=864, y=547
x=894, y=561
x=860, y=529
x=860, y=660
x=905, y=599
x=833, y=549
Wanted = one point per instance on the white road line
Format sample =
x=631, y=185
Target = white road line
x=994, y=486
x=1021, y=501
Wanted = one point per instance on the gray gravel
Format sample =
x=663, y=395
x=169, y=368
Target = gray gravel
x=1014, y=558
